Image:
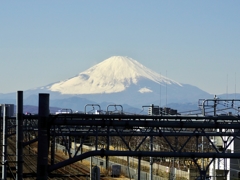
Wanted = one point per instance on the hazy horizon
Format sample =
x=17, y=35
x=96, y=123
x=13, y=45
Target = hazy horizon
x=191, y=42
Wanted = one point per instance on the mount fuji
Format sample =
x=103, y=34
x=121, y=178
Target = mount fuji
x=114, y=75
x=119, y=80
x=122, y=80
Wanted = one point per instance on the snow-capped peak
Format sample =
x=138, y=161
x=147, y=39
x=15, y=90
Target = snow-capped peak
x=112, y=75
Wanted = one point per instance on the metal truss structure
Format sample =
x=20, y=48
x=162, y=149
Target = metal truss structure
x=186, y=137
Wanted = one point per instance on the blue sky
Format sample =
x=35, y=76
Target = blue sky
x=192, y=42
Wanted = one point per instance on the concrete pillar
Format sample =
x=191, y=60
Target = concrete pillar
x=139, y=168
x=4, y=143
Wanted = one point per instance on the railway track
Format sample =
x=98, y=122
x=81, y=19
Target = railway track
x=76, y=171
x=85, y=171
x=73, y=171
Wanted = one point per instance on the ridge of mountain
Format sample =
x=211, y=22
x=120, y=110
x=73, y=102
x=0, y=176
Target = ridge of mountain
x=116, y=80
x=112, y=75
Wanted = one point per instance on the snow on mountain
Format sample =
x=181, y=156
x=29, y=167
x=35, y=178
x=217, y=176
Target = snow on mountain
x=112, y=75
x=145, y=90
x=117, y=80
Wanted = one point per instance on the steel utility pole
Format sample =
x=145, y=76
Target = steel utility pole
x=43, y=137
x=19, y=136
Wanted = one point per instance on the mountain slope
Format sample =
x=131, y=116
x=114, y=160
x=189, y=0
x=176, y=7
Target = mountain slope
x=124, y=80
x=113, y=75
x=116, y=80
